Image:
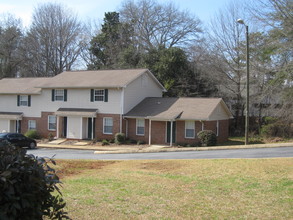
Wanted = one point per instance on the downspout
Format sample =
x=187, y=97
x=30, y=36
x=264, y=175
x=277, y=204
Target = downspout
x=150, y=131
x=57, y=133
x=171, y=134
x=121, y=109
x=92, y=128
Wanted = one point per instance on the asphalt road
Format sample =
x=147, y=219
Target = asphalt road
x=211, y=154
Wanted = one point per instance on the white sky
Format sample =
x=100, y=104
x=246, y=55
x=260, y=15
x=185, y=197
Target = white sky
x=95, y=9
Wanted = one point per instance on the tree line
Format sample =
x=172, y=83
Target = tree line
x=188, y=57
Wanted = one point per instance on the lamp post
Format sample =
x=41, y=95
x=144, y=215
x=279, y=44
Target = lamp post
x=240, y=21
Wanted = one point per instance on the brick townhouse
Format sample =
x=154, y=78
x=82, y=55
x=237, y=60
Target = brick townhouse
x=98, y=104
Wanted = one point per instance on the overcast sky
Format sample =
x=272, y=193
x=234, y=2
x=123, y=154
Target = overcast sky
x=95, y=9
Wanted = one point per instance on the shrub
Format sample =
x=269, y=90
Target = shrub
x=119, y=138
x=140, y=142
x=277, y=129
x=50, y=136
x=28, y=185
x=32, y=134
x=131, y=141
x=181, y=144
x=105, y=142
x=207, y=138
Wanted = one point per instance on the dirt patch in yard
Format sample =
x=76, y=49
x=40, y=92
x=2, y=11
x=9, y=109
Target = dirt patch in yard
x=66, y=168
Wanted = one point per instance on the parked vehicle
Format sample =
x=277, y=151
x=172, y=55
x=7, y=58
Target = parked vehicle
x=18, y=140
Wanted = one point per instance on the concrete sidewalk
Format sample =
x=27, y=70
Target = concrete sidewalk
x=156, y=148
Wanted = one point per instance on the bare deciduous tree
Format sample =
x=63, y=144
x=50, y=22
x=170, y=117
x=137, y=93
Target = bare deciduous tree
x=159, y=25
x=10, y=38
x=53, y=42
x=227, y=60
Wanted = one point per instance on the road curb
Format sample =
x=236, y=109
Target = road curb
x=120, y=150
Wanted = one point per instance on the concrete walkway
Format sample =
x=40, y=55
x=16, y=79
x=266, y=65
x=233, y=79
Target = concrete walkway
x=110, y=149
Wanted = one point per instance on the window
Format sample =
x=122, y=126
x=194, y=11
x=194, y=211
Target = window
x=99, y=94
x=139, y=126
x=108, y=125
x=23, y=100
x=189, y=129
x=32, y=125
x=52, y=122
x=59, y=94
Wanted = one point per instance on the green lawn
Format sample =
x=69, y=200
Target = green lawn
x=178, y=189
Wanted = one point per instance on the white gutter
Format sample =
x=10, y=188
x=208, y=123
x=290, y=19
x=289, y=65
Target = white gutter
x=121, y=109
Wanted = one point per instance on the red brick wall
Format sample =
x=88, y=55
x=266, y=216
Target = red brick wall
x=159, y=131
x=223, y=130
x=132, y=130
x=41, y=124
x=99, y=126
x=180, y=132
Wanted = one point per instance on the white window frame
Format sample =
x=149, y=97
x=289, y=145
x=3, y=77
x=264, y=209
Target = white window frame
x=59, y=95
x=140, y=123
x=51, y=123
x=109, y=121
x=99, y=95
x=32, y=125
x=189, y=125
x=23, y=100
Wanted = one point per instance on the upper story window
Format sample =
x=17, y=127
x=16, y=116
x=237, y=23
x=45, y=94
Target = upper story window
x=140, y=126
x=99, y=95
x=59, y=95
x=189, y=129
x=23, y=100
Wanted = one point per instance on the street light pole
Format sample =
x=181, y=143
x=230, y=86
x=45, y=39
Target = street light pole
x=240, y=21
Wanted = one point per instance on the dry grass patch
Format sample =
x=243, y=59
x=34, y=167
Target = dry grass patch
x=179, y=189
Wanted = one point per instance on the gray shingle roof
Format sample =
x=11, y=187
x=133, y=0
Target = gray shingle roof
x=180, y=108
x=96, y=79
x=21, y=85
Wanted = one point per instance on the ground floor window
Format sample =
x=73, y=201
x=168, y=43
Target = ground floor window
x=189, y=129
x=108, y=126
x=140, y=126
x=52, y=122
x=32, y=125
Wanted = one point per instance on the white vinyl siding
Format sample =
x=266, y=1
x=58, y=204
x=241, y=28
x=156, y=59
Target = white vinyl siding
x=23, y=100
x=189, y=129
x=32, y=125
x=142, y=87
x=59, y=94
x=140, y=126
x=52, y=122
x=108, y=126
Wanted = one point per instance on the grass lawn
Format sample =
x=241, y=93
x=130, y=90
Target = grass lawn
x=254, y=140
x=178, y=189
